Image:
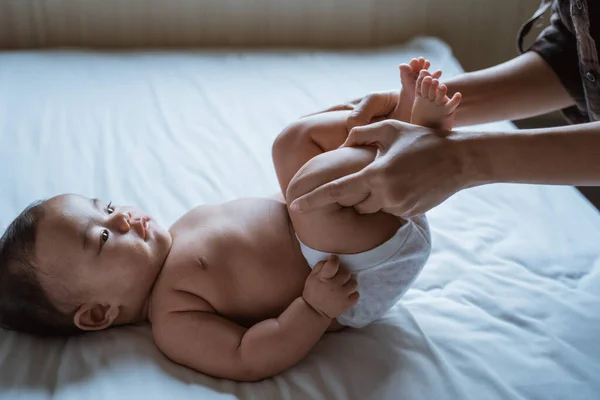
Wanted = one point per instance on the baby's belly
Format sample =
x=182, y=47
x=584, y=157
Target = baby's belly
x=255, y=273
x=259, y=290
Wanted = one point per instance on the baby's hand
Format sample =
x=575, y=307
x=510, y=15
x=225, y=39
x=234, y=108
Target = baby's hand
x=330, y=289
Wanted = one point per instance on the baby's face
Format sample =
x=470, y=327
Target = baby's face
x=105, y=254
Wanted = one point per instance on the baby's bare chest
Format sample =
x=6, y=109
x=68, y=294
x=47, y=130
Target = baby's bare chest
x=242, y=259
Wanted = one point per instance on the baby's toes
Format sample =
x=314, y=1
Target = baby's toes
x=453, y=102
x=421, y=63
x=440, y=96
x=424, y=73
x=425, y=86
x=433, y=89
x=414, y=65
x=405, y=71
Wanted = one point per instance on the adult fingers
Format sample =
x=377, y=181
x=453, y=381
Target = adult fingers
x=371, y=106
x=378, y=133
x=340, y=107
x=331, y=192
x=370, y=205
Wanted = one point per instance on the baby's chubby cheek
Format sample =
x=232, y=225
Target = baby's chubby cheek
x=162, y=237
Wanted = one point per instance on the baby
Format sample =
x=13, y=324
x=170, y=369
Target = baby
x=241, y=290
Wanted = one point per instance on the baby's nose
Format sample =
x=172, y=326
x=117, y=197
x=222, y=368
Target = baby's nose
x=122, y=222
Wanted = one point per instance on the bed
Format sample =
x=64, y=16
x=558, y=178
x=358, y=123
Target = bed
x=506, y=308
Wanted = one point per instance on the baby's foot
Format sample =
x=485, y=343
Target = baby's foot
x=432, y=108
x=408, y=76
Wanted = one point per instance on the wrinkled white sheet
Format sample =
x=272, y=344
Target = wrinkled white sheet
x=507, y=308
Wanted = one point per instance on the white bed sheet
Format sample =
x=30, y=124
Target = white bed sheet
x=507, y=307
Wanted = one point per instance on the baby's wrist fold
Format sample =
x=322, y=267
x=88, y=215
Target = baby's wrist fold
x=316, y=310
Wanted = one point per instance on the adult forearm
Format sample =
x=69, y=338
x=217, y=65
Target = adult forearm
x=523, y=87
x=567, y=155
x=274, y=345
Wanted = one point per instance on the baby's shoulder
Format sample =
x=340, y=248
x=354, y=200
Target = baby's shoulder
x=227, y=219
x=200, y=217
x=170, y=298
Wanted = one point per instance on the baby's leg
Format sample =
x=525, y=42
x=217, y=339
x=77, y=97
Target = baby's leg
x=408, y=77
x=310, y=146
x=432, y=108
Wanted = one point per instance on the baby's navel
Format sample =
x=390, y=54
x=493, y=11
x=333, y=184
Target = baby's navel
x=201, y=262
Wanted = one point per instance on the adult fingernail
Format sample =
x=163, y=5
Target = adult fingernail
x=295, y=206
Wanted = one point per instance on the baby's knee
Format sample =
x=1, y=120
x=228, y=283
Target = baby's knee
x=298, y=186
x=290, y=151
x=289, y=139
x=327, y=167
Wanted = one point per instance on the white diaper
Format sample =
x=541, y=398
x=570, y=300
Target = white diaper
x=384, y=273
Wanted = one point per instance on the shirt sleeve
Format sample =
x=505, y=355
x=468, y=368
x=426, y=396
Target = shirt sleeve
x=557, y=45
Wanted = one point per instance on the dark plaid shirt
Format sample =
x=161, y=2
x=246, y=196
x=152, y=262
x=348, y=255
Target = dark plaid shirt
x=569, y=46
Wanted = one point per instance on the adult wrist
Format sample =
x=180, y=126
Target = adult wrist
x=473, y=157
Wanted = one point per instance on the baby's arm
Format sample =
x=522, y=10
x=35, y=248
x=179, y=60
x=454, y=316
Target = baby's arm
x=216, y=346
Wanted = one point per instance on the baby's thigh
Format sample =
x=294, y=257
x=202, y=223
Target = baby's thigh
x=335, y=228
x=306, y=155
x=305, y=139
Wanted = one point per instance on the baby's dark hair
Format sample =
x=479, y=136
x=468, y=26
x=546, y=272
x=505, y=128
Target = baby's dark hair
x=24, y=304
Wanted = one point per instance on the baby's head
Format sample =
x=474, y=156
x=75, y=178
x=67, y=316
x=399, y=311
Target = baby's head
x=72, y=264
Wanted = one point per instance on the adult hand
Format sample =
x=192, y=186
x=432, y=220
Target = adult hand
x=416, y=168
x=373, y=107
x=395, y=104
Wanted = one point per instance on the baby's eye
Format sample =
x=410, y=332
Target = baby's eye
x=104, y=236
x=109, y=209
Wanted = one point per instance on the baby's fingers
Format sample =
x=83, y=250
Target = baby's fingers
x=350, y=286
x=318, y=267
x=330, y=268
x=342, y=276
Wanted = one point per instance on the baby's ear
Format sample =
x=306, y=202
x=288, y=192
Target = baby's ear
x=95, y=317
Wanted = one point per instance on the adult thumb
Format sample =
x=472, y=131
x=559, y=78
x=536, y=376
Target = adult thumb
x=370, y=135
x=371, y=106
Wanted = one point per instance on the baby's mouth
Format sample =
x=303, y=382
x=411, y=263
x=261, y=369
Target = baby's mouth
x=141, y=227
x=144, y=224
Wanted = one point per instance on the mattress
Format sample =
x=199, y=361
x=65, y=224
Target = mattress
x=508, y=306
